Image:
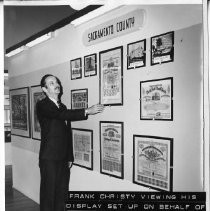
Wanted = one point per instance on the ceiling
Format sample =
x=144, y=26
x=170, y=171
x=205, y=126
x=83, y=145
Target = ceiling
x=21, y=22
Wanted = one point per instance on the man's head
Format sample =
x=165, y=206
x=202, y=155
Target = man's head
x=51, y=86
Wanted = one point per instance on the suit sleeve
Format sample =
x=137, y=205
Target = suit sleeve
x=53, y=113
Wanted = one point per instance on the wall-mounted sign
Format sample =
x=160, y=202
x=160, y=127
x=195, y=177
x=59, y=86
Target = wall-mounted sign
x=119, y=26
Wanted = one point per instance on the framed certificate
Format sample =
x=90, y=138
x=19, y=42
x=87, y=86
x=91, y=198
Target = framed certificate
x=83, y=147
x=111, y=80
x=79, y=98
x=76, y=68
x=162, y=48
x=20, y=109
x=156, y=99
x=111, y=149
x=36, y=95
x=136, y=54
x=90, y=65
x=153, y=162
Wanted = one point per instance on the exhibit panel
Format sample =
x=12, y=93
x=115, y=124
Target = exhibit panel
x=159, y=94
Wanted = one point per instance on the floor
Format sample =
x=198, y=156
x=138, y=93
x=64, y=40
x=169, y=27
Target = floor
x=14, y=200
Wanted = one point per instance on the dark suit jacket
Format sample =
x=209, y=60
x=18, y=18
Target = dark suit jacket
x=56, y=137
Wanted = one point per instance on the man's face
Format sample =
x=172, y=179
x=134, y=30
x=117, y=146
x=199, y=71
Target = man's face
x=52, y=87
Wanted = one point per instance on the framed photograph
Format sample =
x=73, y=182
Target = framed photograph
x=76, y=68
x=153, y=162
x=156, y=99
x=79, y=98
x=20, y=110
x=111, y=76
x=90, y=65
x=111, y=149
x=136, y=54
x=162, y=48
x=83, y=147
x=36, y=95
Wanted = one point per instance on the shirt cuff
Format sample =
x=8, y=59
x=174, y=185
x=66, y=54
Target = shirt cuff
x=86, y=112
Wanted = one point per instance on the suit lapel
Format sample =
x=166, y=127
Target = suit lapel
x=51, y=103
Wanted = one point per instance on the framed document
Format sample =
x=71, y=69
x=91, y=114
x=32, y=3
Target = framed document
x=36, y=95
x=162, y=48
x=153, y=162
x=136, y=54
x=156, y=99
x=20, y=109
x=111, y=80
x=83, y=147
x=76, y=68
x=79, y=98
x=111, y=149
x=90, y=65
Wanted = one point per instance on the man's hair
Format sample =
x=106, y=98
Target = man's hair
x=43, y=80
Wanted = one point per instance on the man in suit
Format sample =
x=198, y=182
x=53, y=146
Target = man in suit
x=56, y=150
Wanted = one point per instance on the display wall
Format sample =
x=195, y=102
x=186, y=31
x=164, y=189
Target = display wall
x=185, y=129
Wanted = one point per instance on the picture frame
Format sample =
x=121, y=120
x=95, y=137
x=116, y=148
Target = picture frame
x=36, y=95
x=20, y=112
x=79, y=98
x=76, y=68
x=90, y=65
x=136, y=54
x=162, y=48
x=153, y=162
x=112, y=149
x=156, y=99
x=83, y=147
x=111, y=76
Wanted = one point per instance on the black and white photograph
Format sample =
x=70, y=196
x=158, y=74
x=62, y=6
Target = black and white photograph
x=153, y=162
x=20, y=108
x=136, y=54
x=79, y=98
x=111, y=76
x=83, y=147
x=162, y=48
x=76, y=68
x=111, y=149
x=90, y=65
x=36, y=95
x=102, y=99
x=156, y=99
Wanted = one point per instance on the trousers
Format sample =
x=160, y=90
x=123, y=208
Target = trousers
x=55, y=176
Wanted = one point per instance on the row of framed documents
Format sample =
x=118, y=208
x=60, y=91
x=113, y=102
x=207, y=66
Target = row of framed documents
x=156, y=99
x=155, y=95
x=156, y=103
x=111, y=60
x=152, y=156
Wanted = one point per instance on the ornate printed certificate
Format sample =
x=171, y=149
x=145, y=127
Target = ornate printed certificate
x=76, y=68
x=111, y=145
x=36, y=95
x=156, y=99
x=83, y=147
x=111, y=71
x=90, y=65
x=162, y=48
x=136, y=56
x=153, y=161
x=20, y=121
x=79, y=98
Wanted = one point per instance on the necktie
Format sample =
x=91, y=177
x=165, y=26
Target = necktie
x=59, y=104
